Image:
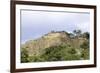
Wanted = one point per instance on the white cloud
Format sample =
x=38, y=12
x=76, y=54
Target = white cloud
x=85, y=27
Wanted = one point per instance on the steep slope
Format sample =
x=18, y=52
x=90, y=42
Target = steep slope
x=55, y=46
x=35, y=47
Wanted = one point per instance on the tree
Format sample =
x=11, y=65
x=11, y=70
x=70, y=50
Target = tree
x=86, y=35
x=52, y=31
x=71, y=35
x=77, y=32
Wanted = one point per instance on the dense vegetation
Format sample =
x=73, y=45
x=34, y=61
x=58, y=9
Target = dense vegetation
x=62, y=52
x=24, y=55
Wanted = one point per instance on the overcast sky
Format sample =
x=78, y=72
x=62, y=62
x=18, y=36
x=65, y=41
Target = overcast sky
x=34, y=24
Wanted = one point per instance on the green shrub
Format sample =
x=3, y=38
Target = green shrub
x=72, y=51
x=85, y=54
x=24, y=56
x=72, y=57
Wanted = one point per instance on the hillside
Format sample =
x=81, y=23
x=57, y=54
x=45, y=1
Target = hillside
x=54, y=46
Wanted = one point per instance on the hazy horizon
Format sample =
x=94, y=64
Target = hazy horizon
x=34, y=24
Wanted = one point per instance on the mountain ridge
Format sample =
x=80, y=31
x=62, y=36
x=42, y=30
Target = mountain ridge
x=50, y=39
x=35, y=47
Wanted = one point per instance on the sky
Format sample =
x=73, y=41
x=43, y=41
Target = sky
x=35, y=24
